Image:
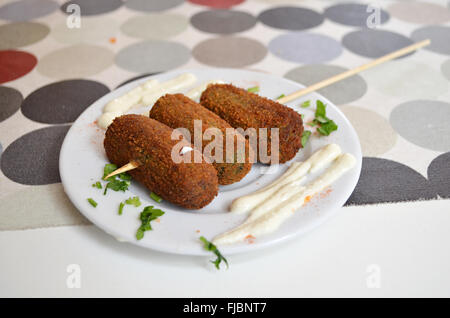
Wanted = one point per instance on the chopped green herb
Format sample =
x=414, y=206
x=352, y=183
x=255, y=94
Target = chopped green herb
x=312, y=124
x=121, y=205
x=133, y=201
x=327, y=128
x=305, y=104
x=155, y=197
x=117, y=185
x=320, y=109
x=109, y=167
x=305, y=137
x=125, y=176
x=326, y=125
x=92, y=202
x=97, y=185
x=281, y=96
x=147, y=215
x=253, y=89
x=212, y=248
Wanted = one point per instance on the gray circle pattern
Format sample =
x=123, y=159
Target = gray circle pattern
x=33, y=158
x=375, y=43
x=439, y=175
x=291, y=18
x=62, y=102
x=152, y=56
x=305, y=47
x=353, y=14
x=385, y=180
x=223, y=21
x=93, y=7
x=25, y=10
x=152, y=5
x=423, y=123
x=342, y=92
x=439, y=36
x=10, y=101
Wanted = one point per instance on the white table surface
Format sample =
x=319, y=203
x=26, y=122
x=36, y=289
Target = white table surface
x=406, y=243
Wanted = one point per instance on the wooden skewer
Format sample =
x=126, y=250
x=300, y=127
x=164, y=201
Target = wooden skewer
x=134, y=164
x=129, y=166
x=354, y=71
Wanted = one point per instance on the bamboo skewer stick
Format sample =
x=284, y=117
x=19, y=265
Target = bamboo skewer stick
x=354, y=71
x=134, y=164
x=129, y=166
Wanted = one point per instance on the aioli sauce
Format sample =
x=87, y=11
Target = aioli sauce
x=147, y=93
x=271, y=206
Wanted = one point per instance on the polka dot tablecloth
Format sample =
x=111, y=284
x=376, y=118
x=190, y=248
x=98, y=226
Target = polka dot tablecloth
x=49, y=73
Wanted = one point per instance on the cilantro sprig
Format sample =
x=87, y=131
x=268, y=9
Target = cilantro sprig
x=147, y=215
x=207, y=245
x=305, y=137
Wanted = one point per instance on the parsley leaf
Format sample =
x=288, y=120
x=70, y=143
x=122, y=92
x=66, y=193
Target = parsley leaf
x=212, y=248
x=133, y=201
x=97, y=185
x=327, y=128
x=109, y=167
x=117, y=185
x=155, y=197
x=320, y=109
x=305, y=137
x=281, y=96
x=326, y=125
x=305, y=104
x=92, y=202
x=253, y=89
x=147, y=215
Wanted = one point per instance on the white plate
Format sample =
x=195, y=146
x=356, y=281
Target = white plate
x=82, y=159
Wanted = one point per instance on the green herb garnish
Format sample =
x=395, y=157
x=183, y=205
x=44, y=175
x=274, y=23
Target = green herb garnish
x=109, y=167
x=92, y=202
x=117, y=184
x=121, y=205
x=253, y=89
x=133, y=201
x=147, y=215
x=305, y=137
x=311, y=124
x=97, y=185
x=327, y=126
x=305, y=104
x=281, y=96
x=155, y=197
x=212, y=248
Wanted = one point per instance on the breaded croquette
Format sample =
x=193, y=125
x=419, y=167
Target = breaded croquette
x=243, y=109
x=147, y=141
x=179, y=111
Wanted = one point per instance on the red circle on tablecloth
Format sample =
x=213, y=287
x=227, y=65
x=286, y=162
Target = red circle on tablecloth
x=223, y=4
x=15, y=64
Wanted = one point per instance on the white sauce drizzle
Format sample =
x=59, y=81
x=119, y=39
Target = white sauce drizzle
x=296, y=171
x=278, y=201
x=146, y=93
x=197, y=91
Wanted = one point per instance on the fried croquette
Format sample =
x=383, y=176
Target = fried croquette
x=179, y=111
x=243, y=109
x=147, y=141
